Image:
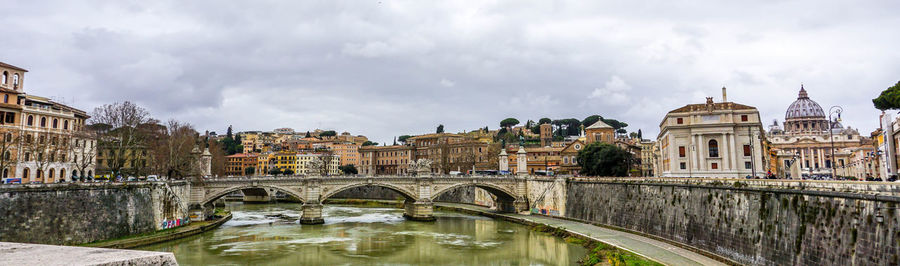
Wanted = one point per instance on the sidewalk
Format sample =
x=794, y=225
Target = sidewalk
x=654, y=249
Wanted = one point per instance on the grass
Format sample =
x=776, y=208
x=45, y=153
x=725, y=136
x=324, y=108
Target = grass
x=599, y=253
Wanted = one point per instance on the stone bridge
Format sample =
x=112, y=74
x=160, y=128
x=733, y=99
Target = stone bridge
x=418, y=191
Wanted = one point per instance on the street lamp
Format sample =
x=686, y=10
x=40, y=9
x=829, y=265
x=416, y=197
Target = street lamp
x=834, y=110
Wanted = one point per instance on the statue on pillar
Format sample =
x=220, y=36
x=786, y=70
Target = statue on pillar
x=504, y=160
x=521, y=161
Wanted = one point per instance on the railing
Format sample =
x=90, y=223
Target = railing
x=304, y=177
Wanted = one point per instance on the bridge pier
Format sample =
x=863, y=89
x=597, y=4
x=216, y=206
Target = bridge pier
x=312, y=214
x=419, y=210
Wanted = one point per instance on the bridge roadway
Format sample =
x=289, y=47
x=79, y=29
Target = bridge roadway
x=419, y=191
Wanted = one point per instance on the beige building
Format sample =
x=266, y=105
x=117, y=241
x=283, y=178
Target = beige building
x=716, y=140
x=649, y=158
x=44, y=140
x=807, y=138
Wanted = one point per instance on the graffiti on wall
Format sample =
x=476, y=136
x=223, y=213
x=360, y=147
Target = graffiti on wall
x=166, y=224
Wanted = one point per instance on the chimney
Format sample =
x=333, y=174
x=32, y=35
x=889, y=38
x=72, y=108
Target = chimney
x=724, y=95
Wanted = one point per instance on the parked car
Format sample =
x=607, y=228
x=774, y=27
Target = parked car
x=152, y=178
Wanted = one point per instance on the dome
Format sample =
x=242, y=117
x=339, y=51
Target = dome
x=804, y=107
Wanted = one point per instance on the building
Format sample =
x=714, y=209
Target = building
x=305, y=164
x=385, y=160
x=812, y=140
x=241, y=164
x=452, y=152
x=284, y=130
x=347, y=151
x=569, y=155
x=712, y=140
x=42, y=140
x=649, y=158
x=599, y=132
x=546, y=134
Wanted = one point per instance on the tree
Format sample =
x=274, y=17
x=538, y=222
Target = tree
x=889, y=98
x=9, y=144
x=369, y=143
x=84, y=150
x=590, y=120
x=249, y=170
x=275, y=171
x=616, y=124
x=308, y=135
x=509, y=122
x=348, y=169
x=440, y=129
x=603, y=159
x=122, y=120
x=403, y=138
x=640, y=135
x=544, y=121
x=229, y=133
x=323, y=162
x=287, y=172
x=172, y=152
x=328, y=133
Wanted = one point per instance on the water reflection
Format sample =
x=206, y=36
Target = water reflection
x=270, y=235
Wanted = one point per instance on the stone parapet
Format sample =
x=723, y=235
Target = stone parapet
x=35, y=254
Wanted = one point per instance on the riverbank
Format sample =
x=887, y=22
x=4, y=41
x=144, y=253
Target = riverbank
x=651, y=249
x=161, y=236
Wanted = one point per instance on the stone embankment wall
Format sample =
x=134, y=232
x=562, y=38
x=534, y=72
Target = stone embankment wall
x=459, y=195
x=83, y=213
x=750, y=221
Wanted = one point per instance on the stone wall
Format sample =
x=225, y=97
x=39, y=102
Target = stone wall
x=82, y=213
x=458, y=195
x=758, y=224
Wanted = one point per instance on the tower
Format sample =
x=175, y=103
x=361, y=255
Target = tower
x=546, y=135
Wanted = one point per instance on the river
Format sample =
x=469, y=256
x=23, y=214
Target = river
x=269, y=234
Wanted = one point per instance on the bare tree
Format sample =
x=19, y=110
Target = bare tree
x=44, y=149
x=324, y=161
x=122, y=134
x=9, y=149
x=84, y=150
x=181, y=138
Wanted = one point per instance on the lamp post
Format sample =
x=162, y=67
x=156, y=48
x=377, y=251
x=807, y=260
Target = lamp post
x=834, y=110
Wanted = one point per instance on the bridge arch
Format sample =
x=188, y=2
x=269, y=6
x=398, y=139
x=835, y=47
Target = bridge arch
x=221, y=193
x=503, y=194
x=406, y=193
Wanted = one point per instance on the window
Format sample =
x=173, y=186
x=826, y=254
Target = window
x=744, y=118
x=27, y=156
x=680, y=120
x=30, y=120
x=748, y=165
x=16, y=79
x=43, y=122
x=55, y=123
x=5, y=98
x=683, y=166
x=681, y=152
x=10, y=118
x=827, y=163
x=713, y=148
x=746, y=150
x=5, y=77
x=715, y=166
x=9, y=137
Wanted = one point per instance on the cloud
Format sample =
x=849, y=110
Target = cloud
x=615, y=92
x=388, y=68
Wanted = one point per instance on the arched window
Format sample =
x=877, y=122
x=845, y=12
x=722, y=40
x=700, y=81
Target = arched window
x=5, y=172
x=55, y=123
x=43, y=122
x=25, y=173
x=90, y=173
x=5, y=77
x=8, y=137
x=6, y=156
x=51, y=173
x=74, y=173
x=62, y=173
x=16, y=79
x=713, y=148
x=30, y=120
x=66, y=124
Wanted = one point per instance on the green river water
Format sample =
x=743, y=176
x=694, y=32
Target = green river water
x=270, y=235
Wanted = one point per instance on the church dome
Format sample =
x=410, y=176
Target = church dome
x=804, y=107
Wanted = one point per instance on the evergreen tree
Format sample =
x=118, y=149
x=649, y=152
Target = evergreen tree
x=440, y=128
x=603, y=159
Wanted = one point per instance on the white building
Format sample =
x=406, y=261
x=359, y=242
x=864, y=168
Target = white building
x=306, y=165
x=717, y=140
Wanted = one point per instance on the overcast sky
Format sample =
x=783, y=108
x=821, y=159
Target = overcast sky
x=387, y=68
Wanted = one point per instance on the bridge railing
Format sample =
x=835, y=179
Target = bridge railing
x=305, y=177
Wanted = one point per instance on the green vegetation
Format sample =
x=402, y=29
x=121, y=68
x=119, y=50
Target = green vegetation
x=328, y=133
x=369, y=143
x=599, y=253
x=889, y=98
x=440, y=129
x=403, y=138
x=348, y=169
x=509, y=122
x=603, y=159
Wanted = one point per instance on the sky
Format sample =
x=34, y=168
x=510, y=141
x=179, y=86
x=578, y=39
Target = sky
x=388, y=68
